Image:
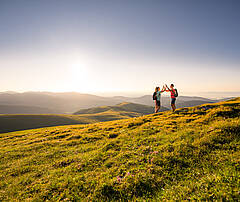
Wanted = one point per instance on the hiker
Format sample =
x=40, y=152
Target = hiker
x=174, y=94
x=157, y=98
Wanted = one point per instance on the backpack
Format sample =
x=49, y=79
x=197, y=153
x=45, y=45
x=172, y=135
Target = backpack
x=176, y=93
x=154, y=96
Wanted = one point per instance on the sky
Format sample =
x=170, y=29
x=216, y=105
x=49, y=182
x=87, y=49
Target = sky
x=118, y=47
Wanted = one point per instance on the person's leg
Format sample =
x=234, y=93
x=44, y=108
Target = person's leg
x=173, y=104
x=173, y=107
x=159, y=105
x=156, y=106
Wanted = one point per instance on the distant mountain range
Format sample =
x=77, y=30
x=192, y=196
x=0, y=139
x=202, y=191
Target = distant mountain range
x=70, y=102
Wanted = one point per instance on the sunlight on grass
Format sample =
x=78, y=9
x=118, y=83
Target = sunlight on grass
x=192, y=154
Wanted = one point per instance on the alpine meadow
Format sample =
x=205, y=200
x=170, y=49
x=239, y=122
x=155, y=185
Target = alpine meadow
x=192, y=154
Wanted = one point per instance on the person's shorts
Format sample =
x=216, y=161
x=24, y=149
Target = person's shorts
x=173, y=101
x=158, y=103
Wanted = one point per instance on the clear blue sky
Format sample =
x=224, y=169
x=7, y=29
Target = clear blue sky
x=119, y=45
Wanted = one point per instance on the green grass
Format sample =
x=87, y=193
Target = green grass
x=192, y=154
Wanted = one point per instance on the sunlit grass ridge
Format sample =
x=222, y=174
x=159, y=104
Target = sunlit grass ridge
x=190, y=154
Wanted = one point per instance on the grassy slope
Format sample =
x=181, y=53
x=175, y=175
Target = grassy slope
x=190, y=154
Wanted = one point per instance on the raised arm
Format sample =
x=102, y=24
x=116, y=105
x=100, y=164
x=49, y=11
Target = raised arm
x=163, y=89
x=168, y=90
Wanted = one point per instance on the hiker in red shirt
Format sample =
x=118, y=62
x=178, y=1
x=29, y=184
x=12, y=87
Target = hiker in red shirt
x=174, y=94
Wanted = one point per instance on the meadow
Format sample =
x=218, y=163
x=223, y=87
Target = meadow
x=192, y=154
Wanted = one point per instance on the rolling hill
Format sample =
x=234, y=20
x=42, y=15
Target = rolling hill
x=15, y=122
x=192, y=154
x=21, y=109
x=125, y=106
x=192, y=103
x=61, y=102
x=70, y=102
x=182, y=101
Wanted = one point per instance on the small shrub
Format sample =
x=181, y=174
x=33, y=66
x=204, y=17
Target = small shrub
x=112, y=135
x=107, y=192
x=132, y=124
x=64, y=163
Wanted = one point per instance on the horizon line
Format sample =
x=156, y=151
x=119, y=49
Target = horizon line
x=207, y=94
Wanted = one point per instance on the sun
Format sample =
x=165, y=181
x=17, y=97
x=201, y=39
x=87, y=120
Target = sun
x=80, y=77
